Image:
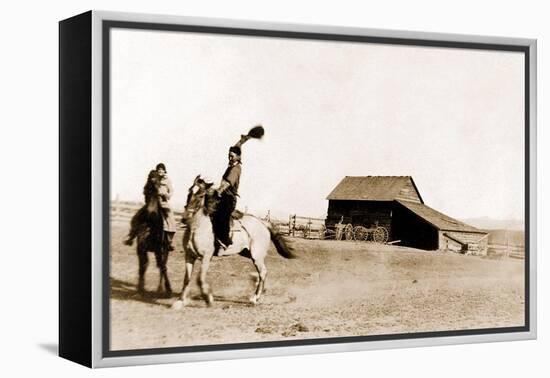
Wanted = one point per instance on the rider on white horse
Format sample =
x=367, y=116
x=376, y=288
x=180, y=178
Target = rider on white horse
x=203, y=214
x=228, y=191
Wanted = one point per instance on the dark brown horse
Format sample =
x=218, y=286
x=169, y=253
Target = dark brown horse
x=147, y=228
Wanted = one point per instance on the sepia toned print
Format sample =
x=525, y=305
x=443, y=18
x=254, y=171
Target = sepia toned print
x=268, y=189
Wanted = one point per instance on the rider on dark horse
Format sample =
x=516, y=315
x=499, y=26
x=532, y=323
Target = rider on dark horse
x=228, y=191
x=158, y=184
x=141, y=218
x=165, y=193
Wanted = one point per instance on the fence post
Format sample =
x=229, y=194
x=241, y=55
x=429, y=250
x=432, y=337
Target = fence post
x=114, y=208
x=507, y=245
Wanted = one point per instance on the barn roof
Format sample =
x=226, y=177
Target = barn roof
x=372, y=188
x=439, y=220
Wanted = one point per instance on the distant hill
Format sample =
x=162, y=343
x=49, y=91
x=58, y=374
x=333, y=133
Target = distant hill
x=486, y=223
x=507, y=237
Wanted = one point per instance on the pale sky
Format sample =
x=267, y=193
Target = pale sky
x=453, y=119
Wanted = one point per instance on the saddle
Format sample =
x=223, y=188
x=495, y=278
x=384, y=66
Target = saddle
x=237, y=214
x=235, y=226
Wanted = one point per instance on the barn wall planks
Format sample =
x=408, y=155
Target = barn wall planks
x=465, y=242
x=409, y=193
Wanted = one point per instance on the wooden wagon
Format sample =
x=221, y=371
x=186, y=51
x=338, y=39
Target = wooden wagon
x=340, y=231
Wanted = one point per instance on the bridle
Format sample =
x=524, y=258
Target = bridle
x=198, y=201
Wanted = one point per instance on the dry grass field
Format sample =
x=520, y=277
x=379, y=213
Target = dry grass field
x=333, y=288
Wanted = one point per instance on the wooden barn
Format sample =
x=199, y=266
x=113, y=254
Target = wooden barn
x=395, y=203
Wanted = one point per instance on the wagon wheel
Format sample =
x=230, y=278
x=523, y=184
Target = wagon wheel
x=348, y=231
x=360, y=233
x=322, y=231
x=306, y=231
x=380, y=235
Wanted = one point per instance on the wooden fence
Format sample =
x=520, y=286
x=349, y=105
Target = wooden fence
x=307, y=227
x=513, y=251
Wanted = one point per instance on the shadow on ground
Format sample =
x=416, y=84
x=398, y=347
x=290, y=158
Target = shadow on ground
x=127, y=291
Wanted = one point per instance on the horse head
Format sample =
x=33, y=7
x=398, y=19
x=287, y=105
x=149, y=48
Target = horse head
x=151, y=191
x=197, y=197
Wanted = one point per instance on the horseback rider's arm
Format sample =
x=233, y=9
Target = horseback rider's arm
x=230, y=179
x=166, y=189
x=224, y=185
x=169, y=189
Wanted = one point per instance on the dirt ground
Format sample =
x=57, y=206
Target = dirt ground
x=333, y=288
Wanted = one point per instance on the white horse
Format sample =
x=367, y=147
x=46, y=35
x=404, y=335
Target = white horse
x=252, y=240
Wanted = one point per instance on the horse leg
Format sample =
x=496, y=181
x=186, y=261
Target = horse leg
x=164, y=253
x=205, y=287
x=158, y=258
x=167, y=285
x=184, y=297
x=189, y=264
x=162, y=258
x=143, y=263
x=262, y=273
x=259, y=246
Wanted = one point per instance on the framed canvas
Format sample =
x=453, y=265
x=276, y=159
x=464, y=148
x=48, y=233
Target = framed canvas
x=235, y=189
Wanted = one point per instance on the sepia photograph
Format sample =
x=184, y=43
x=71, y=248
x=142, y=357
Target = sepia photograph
x=266, y=189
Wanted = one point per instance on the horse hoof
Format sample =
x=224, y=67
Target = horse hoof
x=253, y=300
x=177, y=305
x=210, y=300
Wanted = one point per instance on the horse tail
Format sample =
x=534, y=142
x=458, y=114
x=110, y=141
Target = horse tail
x=281, y=244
